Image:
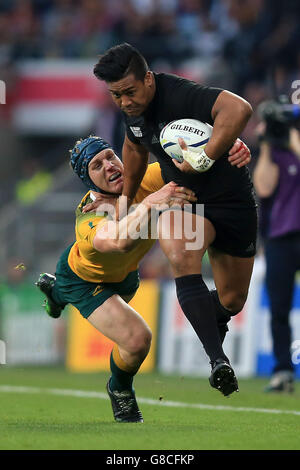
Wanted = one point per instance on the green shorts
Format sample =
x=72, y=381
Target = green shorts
x=87, y=296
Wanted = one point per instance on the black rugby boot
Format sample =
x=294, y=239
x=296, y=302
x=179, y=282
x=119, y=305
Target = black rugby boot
x=124, y=406
x=223, y=377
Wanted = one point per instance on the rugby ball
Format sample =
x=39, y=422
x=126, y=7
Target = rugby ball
x=195, y=133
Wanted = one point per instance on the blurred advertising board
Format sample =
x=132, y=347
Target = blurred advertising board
x=57, y=97
x=88, y=350
x=181, y=352
x=30, y=336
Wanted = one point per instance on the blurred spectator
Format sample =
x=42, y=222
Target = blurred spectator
x=35, y=180
x=59, y=29
x=155, y=33
x=277, y=183
x=255, y=92
x=240, y=50
x=6, y=39
x=267, y=35
x=199, y=28
x=26, y=31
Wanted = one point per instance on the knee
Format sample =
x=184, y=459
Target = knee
x=233, y=301
x=183, y=263
x=139, y=342
x=176, y=259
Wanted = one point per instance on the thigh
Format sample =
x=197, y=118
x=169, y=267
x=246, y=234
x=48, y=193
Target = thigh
x=184, y=238
x=232, y=274
x=116, y=320
x=236, y=230
x=87, y=296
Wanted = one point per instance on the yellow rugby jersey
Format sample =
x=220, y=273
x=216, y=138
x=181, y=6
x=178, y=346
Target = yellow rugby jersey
x=93, y=266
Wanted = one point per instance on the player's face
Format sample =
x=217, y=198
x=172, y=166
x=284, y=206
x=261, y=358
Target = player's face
x=106, y=171
x=131, y=95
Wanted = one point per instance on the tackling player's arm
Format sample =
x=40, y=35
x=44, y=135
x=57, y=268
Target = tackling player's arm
x=120, y=236
x=230, y=114
x=115, y=236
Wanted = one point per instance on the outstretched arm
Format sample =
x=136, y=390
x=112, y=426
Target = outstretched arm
x=120, y=236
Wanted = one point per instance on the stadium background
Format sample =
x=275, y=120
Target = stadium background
x=47, y=52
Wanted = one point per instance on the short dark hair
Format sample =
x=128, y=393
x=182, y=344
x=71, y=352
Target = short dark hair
x=119, y=61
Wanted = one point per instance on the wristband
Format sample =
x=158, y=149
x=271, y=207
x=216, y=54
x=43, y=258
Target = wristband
x=199, y=161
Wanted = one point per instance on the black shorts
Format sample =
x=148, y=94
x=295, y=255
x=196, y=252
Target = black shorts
x=236, y=229
x=235, y=226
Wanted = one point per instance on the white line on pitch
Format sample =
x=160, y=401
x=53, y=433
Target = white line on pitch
x=146, y=401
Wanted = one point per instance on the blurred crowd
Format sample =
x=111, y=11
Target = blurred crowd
x=251, y=36
x=246, y=46
x=241, y=45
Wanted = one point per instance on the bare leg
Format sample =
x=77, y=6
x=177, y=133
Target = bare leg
x=123, y=325
x=192, y=293
x=232, y=277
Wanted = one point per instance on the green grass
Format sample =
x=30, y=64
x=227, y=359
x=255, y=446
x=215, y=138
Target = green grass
x=45, y=421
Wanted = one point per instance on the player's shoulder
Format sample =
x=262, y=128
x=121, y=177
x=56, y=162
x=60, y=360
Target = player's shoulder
x=84, y=216
x=87, y=222
x=153, y=171
x=84, y=201
x=174, y=90
x=170, y=80
x=151, y=182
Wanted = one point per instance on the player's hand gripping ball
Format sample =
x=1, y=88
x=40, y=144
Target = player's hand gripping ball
x=196, y=134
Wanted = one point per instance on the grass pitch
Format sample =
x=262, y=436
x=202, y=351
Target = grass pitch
x=49, y=408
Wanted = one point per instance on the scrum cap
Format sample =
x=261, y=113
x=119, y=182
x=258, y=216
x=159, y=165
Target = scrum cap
x=81, y=155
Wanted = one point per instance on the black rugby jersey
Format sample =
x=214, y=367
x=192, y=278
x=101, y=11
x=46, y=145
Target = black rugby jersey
x=178, y=98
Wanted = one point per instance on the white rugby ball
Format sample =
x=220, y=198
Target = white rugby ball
x=195, y=133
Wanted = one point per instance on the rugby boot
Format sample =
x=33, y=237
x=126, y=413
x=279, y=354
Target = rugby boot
x=281, y=381
x=46, y=283
x=222, y=377
x=124, y=406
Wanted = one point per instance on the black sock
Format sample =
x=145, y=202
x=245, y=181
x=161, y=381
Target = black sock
x=198, y=306
x=223, y=315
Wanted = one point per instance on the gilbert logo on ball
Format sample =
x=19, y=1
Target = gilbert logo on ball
x=195, y=133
